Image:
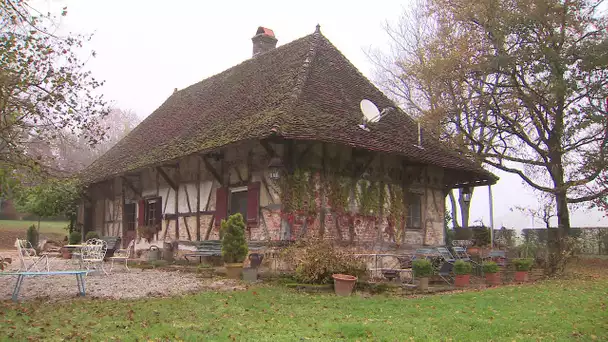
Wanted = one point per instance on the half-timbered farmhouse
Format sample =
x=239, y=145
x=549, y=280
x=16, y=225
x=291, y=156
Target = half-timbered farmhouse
x=277, y=138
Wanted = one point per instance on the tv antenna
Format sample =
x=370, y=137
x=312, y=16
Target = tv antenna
x=371, y=113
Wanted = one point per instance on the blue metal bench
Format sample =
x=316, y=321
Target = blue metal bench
x=21, y=276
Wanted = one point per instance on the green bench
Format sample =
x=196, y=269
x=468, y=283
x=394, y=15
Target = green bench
x=21, y=276
x=213, y=248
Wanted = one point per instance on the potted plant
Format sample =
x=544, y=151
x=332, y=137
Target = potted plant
x=91, y=235
x=422, y=269
x=490, y=268
x=74, y=239
x=522, y=266
x=462, y=269
x=234, y=245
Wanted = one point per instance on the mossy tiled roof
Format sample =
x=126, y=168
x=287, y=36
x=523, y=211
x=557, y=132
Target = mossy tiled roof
x=305, y=89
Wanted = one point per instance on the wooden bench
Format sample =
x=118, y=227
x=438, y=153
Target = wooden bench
x=213, y=248
x=21, y=276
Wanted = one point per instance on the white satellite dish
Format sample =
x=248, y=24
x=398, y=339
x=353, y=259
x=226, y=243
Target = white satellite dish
x=370, y=111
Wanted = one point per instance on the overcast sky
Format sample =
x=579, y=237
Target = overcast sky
x=145, y=49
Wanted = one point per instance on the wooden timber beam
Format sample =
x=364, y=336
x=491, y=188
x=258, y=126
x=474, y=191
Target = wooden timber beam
x=166, y=178
x=202, y=212
x=304, y=152
x=131, y=186
x=211, y=169
x=271, y=152
x=198, y=200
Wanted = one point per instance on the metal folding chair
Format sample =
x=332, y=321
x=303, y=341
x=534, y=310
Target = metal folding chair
x=29, y=259
x=446, y=265
x=92, y=254
x=122, y=255
x=461, y=253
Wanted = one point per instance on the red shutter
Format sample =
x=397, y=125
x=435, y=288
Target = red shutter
x=141, y=213
x=221, y=205
x=253, y=204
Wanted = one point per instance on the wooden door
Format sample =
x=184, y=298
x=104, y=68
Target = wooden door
x=130, y=232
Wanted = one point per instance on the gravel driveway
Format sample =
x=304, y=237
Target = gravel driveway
x=120, y=284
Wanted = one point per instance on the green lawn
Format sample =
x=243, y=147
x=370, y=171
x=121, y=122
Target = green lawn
x=552, y=310
x=57, y=227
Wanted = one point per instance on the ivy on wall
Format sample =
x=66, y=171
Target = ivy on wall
x=368, y=197
x=397, y=211
x=338, y=192
x=298, y=193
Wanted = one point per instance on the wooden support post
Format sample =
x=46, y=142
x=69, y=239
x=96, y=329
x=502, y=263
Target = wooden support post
x=103, y=219
x=166, y=177
x=271, y=152
x=238, y=174
x=198, y=201
x=187, y=198
x=382, y=199
x=124, y=217
x=323, y=176
x=249, y=166
x=131, y=186
x=212, y=170
x=177, y=176
x=208, y=232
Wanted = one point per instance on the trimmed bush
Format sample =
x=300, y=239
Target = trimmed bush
x=33, y=236
x=75, y=238
x=523, y=264
x=91, y=235
x=490, y=267
x=422, y=268
x=462, y=267
x=234, y=244
x=316, y=260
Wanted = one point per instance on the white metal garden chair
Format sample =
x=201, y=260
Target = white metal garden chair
x=122, y=255
x=92, y=254
x=29, y=259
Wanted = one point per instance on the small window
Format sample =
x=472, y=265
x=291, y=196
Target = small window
x=238, y=202
x=414, y=211
x=153, y=213
x=130, y=216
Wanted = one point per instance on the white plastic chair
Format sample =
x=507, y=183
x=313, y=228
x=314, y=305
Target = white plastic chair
x=29, y=259
x=122, y=255
x=92, y=253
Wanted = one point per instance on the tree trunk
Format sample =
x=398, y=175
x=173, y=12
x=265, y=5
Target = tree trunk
x=454, y=209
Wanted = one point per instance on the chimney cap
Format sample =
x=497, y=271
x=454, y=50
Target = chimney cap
x=264, y=31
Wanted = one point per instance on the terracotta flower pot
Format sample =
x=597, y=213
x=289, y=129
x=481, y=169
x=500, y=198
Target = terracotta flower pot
x=344, y=284
x=234, y=270
x=423, y=283
x=473, y=250
x=66, y=253
x=521, y=276
x=493, y=278
x=462, y=280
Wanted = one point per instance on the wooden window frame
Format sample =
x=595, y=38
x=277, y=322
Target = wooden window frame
x=408, y=224
x=151, y=206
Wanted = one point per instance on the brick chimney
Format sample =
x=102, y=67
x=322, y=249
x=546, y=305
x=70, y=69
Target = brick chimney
x=264, y=40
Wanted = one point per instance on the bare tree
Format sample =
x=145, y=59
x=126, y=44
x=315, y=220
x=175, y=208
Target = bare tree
x=44, y=88
x=521, y=87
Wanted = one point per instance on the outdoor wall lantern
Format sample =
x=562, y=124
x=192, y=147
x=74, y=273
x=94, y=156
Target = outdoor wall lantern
x=466, y=194
x=274, y=168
